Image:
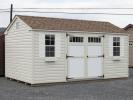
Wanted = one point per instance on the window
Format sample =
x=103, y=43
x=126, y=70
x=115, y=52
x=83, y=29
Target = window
x=94, y=39
x=116, y=46
x=17, y=25
x=49, y=45
x=76, y=39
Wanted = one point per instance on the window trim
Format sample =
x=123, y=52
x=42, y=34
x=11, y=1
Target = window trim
x=116, y=46
x=50, y=44
x=94, y=39
x=76, y=39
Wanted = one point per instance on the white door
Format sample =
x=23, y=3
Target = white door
x=84, y=57
x=95, y=61
x=76, y=65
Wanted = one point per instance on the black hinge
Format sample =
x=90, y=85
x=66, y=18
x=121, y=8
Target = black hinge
x=67, y=35
x=68, y=78
x=68, y=56
x=102, y=36
x=101, y=56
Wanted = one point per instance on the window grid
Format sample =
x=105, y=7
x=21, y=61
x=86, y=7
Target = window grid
x=94, y=39
x=76, y=39
x=116, y=46
x=49, y=45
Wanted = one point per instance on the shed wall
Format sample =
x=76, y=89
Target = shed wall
x=47, y=72
x=130, y=33
x=115, y=67
x=18, y=52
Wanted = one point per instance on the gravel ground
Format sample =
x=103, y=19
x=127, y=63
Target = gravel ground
x=119, y=89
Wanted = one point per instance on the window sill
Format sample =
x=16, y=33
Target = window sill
x=117, y=58
x=50, y=59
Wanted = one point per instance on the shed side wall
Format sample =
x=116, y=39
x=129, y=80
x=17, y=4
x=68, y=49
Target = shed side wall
x=130, y=33
x=18, y=52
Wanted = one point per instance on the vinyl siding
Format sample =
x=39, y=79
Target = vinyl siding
x=112, y=68
x=130, y=33
x=18, y=52
x=47, y=72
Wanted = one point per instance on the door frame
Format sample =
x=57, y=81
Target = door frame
x=85, y=43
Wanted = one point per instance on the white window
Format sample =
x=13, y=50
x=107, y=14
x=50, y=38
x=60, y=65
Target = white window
x=75, y=39
x=17, y=25
x=116, y=46
x=94, y=40
x=49, y=45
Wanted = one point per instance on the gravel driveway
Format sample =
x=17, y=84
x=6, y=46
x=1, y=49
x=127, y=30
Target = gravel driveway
x=120, y=89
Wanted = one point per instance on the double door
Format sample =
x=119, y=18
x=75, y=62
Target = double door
x=85, y=59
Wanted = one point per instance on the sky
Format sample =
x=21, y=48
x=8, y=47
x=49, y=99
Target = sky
x=118, y=20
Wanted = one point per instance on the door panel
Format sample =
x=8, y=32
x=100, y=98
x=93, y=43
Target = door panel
x=76, y=51
x=94, y=67
x=76, y=64
x=95, y=61
x=76, y=67
x=94, y=50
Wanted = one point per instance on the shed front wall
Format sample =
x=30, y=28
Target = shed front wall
x=48, y=72
x=115, y=67
x=18, y=52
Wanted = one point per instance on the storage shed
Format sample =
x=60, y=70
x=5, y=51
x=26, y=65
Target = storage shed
x=48, y=50
x=129, y=31
x=2, y=52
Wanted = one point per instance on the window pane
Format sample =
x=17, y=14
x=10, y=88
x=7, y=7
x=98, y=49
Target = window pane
x=74, y=39
x=116, y=51
x=52, y=54
x=52, y=42
x=47, y=42
x=52, y=48
x=81, y=39
x=47, y=36
x=118, y=39
x=47, y=48
x=97, y=40
x=114, y=39
x=47, y=54
x=71, y=39
x=91, y=39
x=52, y=37
x=118, y=43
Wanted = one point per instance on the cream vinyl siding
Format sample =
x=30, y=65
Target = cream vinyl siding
x=49, y=71
x=18, y=52
x=115, y=67
x=130, y=33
